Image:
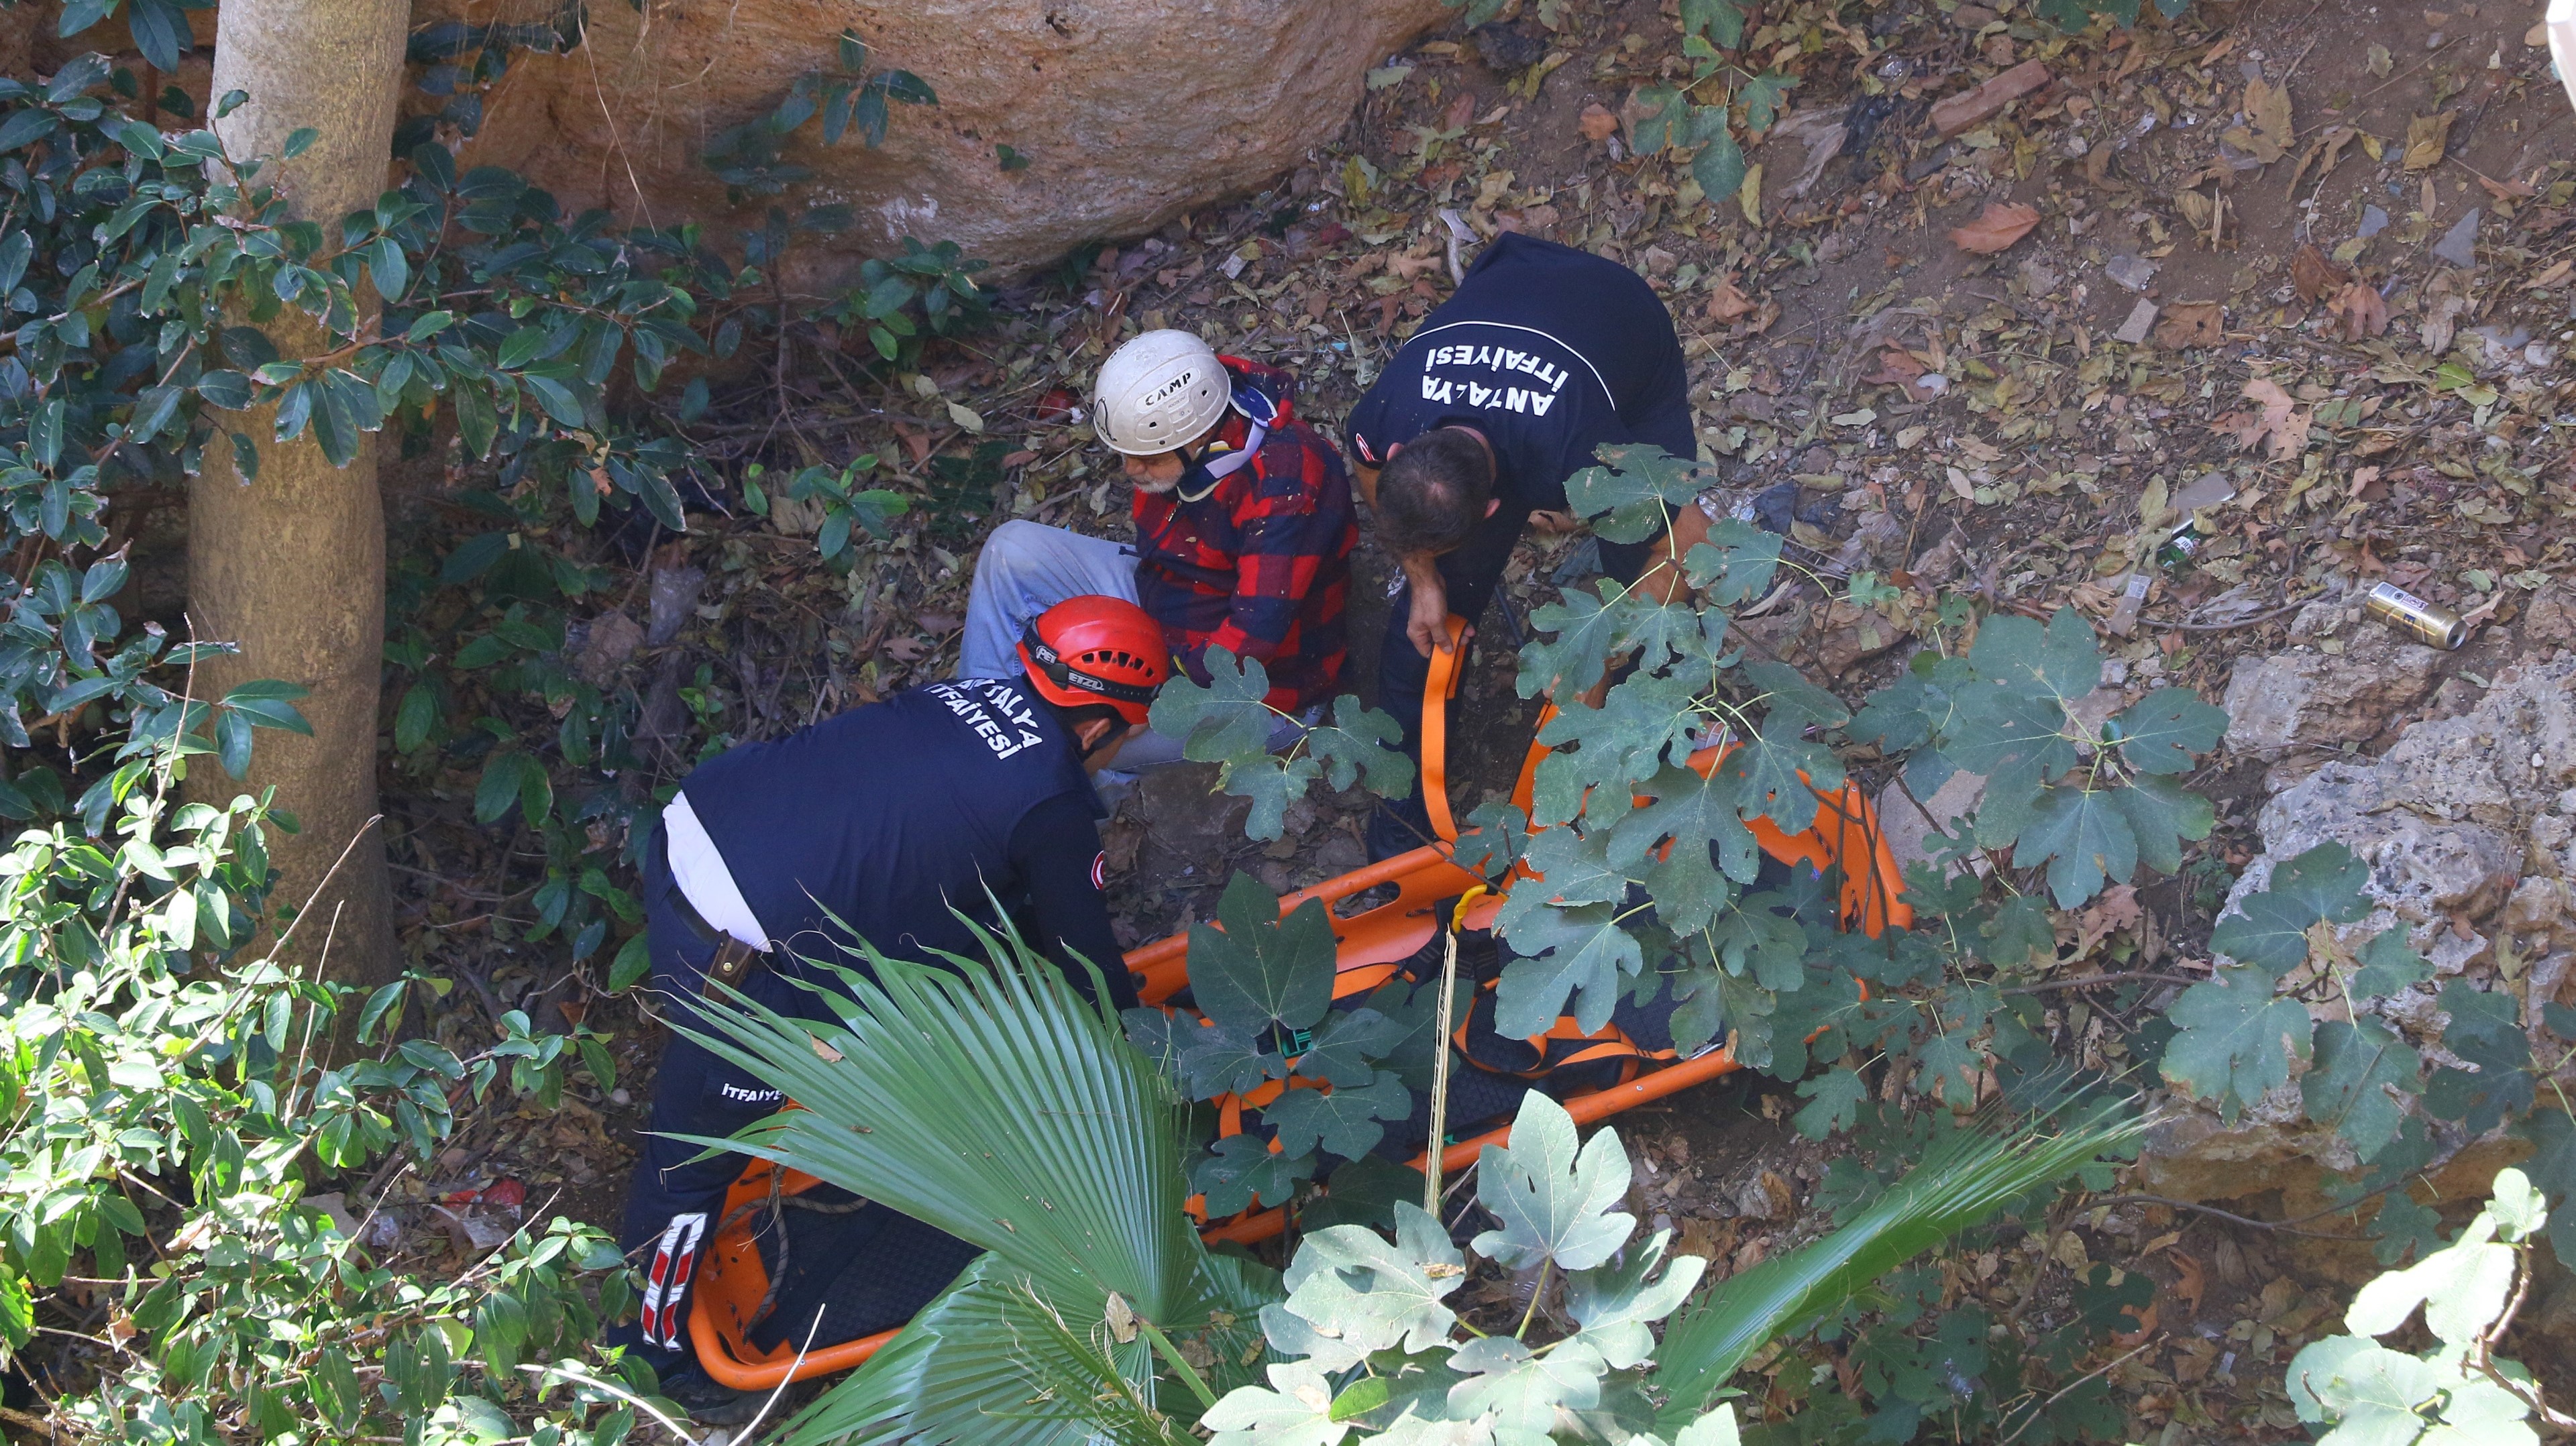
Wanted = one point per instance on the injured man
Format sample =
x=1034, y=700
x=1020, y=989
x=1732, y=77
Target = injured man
x=1244, y=530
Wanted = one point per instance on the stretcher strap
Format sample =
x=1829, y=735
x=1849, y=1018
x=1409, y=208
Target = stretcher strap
x=1441, y=685
x=1607, y=1042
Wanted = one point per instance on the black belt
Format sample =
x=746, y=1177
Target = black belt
x=733, y=961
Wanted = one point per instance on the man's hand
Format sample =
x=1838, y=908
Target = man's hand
x=1427, y=620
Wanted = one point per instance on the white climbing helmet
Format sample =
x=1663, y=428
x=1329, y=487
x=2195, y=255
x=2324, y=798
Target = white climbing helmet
x=1159, y=392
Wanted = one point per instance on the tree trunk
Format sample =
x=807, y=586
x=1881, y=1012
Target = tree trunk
x=292, y=566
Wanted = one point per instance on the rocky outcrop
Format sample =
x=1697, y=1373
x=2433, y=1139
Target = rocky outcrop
x=2468, y=825
x=1129, y=114
x=2309, y=697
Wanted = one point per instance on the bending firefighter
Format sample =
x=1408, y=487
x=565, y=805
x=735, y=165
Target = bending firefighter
x=1542, y=356
x=888, y=818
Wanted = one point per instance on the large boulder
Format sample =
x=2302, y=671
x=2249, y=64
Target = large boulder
x=2308, y=697
x=2468, y=826
x=1130, y=114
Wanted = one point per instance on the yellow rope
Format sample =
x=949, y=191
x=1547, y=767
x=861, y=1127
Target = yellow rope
x=1440, y=1060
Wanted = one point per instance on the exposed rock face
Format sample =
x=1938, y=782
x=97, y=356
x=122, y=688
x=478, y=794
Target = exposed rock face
x=2550, y=619
x=1130, y=113
x=2311, y=698
x=2469, y=827
x=2423, y=871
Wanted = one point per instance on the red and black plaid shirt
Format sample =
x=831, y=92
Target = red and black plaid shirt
x=1260, y=566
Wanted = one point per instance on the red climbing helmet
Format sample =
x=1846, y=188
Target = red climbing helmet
x=1095, y=649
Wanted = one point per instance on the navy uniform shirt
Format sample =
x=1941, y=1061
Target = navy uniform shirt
x=887, y=816
x=1549, y=351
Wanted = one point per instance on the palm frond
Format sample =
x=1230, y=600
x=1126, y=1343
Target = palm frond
x=993, y=1363
x=991, y=1100
x=988, y=1098
x=1960, y=1182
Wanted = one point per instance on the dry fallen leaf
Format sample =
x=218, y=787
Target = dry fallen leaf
x=2146, y=1320
x=2508, y=190
x=1726, y=303
x=2378, y=61
x=2189, y=324
x=2115, y=909
x=2198, y=210
x=2278, y=420
x=1896, y=368
x=2363, y=313
x=905, y=649
x=2556, y=273
x=1997, y=227
x=1597, y=123
x=2427, y=136
x=2323, y=153
x=2440, y=321
x=1120, y=1317
x=2315, y=275
x=2191, y=1282
x=2267, y=131
x=1407, y=266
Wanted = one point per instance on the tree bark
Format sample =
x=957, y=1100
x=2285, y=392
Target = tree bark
x=291, y=566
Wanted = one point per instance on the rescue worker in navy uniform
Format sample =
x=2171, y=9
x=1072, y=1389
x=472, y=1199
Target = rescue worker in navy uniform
x=1543, y=355
x=884, y=817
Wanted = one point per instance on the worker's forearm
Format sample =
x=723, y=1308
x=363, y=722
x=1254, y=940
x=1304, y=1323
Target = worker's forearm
x=1422, y=569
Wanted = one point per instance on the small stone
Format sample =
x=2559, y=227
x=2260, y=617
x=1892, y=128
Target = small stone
x=2140, y=325
x=2459, y=246
x=2311, y=700
x=2373, y=221
x=613, y=638
x=2207, y=490
x=2133, y=273
x=1909, y=830
x=675, y=600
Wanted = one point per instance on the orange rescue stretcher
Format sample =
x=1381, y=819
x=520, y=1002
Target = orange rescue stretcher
x=733, y=1282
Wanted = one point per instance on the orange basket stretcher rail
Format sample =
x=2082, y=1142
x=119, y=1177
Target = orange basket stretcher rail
x=733, y=1283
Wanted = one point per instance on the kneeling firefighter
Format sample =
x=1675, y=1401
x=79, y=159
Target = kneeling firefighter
x=889, y=818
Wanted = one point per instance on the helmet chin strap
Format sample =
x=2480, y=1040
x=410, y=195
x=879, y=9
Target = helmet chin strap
x=1214, y=465
x=1218, y=462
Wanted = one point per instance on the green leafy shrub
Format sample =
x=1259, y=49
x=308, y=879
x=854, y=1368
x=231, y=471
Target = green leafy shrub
x=1097, y=1310
x=173, y=1103
x=170, y=1103
x=1653, y=886
x=849, y=95
x=2298, y=1000
x=1226, y=722
x=1265, y=984
x=2469, y=1291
